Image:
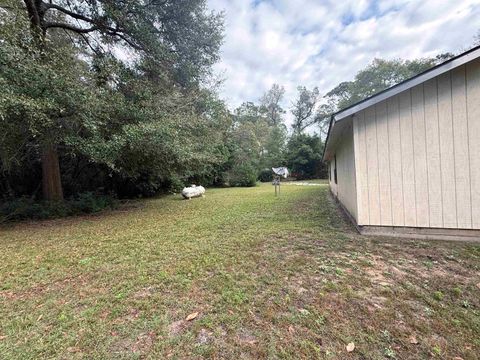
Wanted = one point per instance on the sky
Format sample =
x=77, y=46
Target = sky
x=324, y=42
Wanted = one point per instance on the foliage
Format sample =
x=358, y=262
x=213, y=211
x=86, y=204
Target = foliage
x=476, y=39
x=274, y=149
x=304, y=156
x=26, y=208
x=243, y=175
x=303, y=109
x=133, y=128
x=265, y=175
x=257, y=137
x=270, y=105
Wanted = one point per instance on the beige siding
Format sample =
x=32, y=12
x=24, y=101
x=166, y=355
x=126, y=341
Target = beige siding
x=473, y=118
x=461, y=150
x=361, y=169
x=446, y=130
x=408, y=169
x=417, y=155
x=372, y=166
x=420, y=157
x=395, y=156
x=383, y=164
x=433, y=154
x=346, y=185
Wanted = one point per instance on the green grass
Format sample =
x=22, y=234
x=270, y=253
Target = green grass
x=283, y=277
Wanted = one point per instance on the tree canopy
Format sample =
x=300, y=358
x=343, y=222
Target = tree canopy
x=70, y=92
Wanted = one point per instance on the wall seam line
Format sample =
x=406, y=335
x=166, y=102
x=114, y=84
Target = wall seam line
x=413, y=153
x=440, y=155
x=401, y=158
x=389, y=163
x=454, y=152
x=426, y=155
x=366, y=163
x=378, y=163
x=468, y=148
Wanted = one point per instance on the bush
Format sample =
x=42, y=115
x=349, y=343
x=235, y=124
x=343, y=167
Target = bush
x=26, y=208
x=175, y=184
x=265, y=175
x=243, y=175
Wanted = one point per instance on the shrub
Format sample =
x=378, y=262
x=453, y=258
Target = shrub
x=175, y=184
x=265, y=175
x=89, y=202
x=26, y=208
x=243, y=175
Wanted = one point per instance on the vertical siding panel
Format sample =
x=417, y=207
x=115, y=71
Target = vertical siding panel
x=420, y=157
x=361, y=169
x=395, y=157
x=383, y=164
x=346, y=174
x=372, y=166
x=473, y=112
x=408, y=169
x=433, y=154
x=447, y=156
x=460, y=142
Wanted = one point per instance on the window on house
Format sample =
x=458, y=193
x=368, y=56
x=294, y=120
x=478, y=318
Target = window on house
x=335, y=171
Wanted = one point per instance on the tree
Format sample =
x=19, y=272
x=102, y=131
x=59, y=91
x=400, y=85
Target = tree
x=323, y=116
x=303, y=109
x=274, y=149
x=270, y=104
x=476, y=39
x=46, y=94
x=248, y=112
x=304, y=156
x=175, y=42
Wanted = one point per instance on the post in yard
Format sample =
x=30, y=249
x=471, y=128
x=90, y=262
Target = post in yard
x=276, y=182
x=278, y=174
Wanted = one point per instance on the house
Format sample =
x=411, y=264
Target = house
x=406, y=161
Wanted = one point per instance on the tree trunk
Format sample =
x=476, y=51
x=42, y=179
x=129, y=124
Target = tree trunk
x=51, y=179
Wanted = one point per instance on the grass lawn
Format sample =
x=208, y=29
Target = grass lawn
x=270, y=277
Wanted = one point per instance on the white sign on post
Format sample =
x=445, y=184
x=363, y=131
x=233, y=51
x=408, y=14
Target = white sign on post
x=279, y=172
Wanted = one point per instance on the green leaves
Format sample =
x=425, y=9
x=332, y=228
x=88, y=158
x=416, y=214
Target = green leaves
x=144, y=117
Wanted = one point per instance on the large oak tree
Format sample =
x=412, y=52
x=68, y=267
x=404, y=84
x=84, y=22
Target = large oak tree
x=176, y=41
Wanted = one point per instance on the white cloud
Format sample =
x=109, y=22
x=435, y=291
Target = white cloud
x=323, y=42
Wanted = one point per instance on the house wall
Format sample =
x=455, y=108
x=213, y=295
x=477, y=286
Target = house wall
x=417, y=155
x=345, y=188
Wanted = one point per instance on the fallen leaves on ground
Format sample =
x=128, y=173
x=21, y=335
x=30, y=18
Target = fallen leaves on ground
x=191, y=316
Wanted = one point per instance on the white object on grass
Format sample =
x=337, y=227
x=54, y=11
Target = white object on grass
x=193, y=191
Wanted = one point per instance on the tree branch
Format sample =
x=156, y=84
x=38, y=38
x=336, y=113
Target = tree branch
x=97, y=25
x=69, y=13
x=70, y=27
